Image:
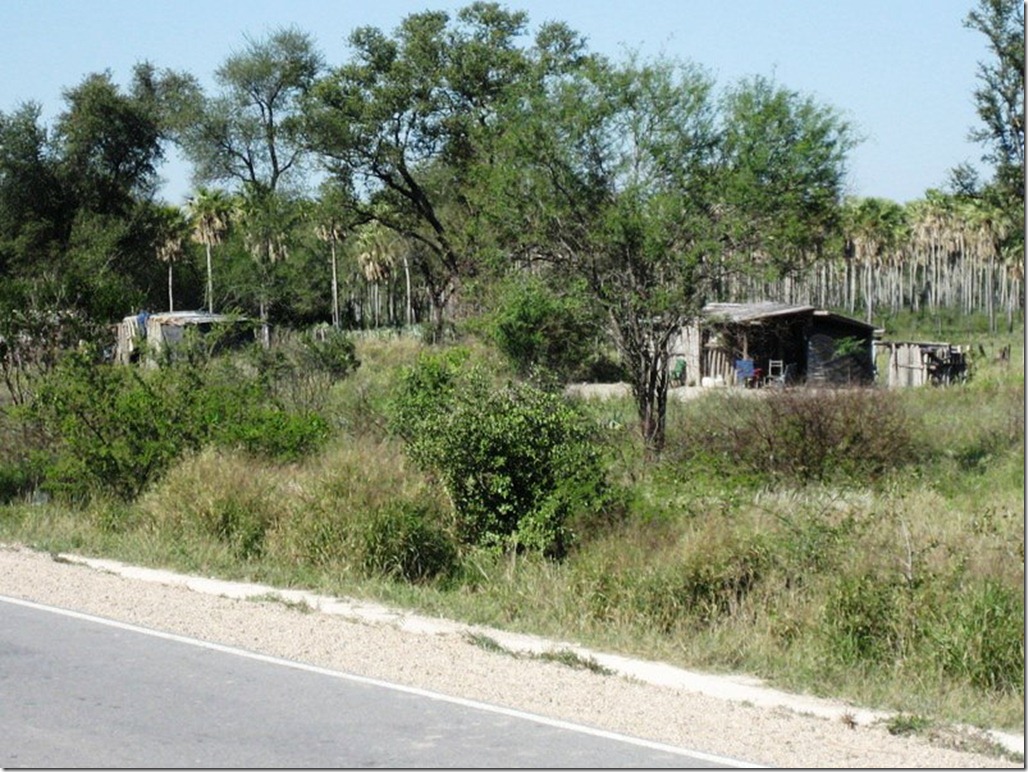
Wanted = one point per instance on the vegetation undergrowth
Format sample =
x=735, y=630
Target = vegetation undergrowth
x=858, y=544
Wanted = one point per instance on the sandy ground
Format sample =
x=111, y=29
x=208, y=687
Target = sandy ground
x=732, y=717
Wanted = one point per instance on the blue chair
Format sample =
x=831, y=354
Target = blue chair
x=743, y=371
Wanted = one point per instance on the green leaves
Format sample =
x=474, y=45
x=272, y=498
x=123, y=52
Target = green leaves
x=537, y=327
x=117, y=429
x=517, y=462
x=783, y=165
x=250, y=132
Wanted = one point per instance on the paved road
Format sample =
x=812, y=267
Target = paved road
x=79, y=691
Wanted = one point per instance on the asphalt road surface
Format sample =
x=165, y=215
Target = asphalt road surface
x=80, y=691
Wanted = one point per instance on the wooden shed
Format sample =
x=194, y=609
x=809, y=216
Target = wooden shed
x=758, y=344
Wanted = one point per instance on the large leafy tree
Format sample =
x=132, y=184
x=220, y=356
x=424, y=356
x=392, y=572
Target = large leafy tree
x=247, y=134
x=999, y=97
x=782, y=170
x=94, y=228
x=999, y=100
x=636, y=179
x=34, y=210
x=247, y=137
x=614, y=165
x=413, y=119
x=110, y=145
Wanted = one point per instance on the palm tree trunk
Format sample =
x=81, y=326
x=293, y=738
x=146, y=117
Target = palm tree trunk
x=335, y=288
x=171, y=299
x=991, y=293
x=410, y=309
x=870, y=287
x=265, y=327
x=210, y=283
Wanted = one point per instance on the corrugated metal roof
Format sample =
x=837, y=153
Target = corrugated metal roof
x=179, y=318
x=750, y=312
x=846, y=319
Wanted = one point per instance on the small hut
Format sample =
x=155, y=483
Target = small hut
x=161, y=330
x=758, y=344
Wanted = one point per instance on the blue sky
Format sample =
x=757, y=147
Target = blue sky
x=902, y=71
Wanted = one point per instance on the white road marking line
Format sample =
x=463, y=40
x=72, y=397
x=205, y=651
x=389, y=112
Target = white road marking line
x=499, y=709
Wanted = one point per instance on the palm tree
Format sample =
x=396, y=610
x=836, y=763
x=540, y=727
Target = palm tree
x=332, y=232
x=332, y=226
x=931, y=229
x=376, y=249
x=874, y=229
x=170, y=243
x=266, y=219
x=989, y=228
x=209, y=212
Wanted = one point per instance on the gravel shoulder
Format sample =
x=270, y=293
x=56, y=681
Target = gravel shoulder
x=736, y=717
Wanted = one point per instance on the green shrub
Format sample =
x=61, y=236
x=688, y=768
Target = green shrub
x=405, y=541
x=536, y=327
x=300, y=370
x=117, y=429
x=272, y=432
x=110, y=428
x=330, y=351
x=518, y=463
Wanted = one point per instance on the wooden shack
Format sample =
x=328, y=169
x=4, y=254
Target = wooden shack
x=759, y=344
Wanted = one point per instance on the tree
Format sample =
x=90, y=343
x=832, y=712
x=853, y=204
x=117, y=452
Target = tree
x=332, y=223
x=1000, y=95
x=1000, y=103
x=248, y=134
x=209, y=213
x=873, y=227
x=35, y=210
x=376, y=249
x=614, y=165
x=543, y=330
x=624, y=176
x=411, y=118
x=266, y=220
x=109, y=145
x=782, y=171
x=170, y=245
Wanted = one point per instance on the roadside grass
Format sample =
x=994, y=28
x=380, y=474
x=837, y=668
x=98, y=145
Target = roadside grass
x=897, y=585
x=565, y=657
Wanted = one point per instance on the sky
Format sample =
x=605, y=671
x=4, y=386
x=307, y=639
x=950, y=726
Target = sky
x=901, y=71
